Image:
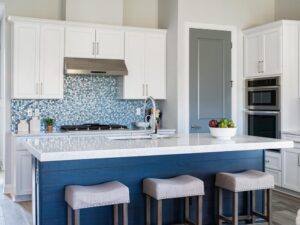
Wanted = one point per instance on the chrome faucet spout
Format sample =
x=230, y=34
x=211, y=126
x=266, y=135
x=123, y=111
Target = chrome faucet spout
x=154, y=123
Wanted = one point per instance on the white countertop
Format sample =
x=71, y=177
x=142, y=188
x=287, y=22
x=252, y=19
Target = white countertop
x=59, y=148
x=100, y=132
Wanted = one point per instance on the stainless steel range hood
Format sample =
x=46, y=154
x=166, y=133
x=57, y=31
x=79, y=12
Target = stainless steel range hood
x=83, y=66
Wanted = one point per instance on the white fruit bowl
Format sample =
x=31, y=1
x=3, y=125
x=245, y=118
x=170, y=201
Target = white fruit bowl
x=223, y=133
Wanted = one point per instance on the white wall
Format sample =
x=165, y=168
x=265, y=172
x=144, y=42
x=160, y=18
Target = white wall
x=47, y=9
x=168, y=18
x=95, y=11
x=287, y=9
x=141, y=13
x=239, y=13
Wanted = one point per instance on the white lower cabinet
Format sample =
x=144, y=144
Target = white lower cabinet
x=291, y=169
x=273, y=164
x=21, y=173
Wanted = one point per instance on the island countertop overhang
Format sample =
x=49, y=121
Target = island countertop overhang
x=84, y=147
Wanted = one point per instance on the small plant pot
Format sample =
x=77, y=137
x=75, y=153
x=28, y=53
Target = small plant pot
x=50, y=129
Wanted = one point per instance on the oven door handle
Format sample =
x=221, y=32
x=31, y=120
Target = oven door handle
x=262, y=112
x=262, y=88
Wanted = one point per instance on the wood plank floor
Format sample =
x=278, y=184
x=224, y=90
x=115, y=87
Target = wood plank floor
x=284, y=210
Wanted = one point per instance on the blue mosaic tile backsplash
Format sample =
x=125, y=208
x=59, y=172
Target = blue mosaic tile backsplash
x=87, y=99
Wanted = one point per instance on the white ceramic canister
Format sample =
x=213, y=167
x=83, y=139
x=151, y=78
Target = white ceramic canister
x=23, y=126
x=35, y=124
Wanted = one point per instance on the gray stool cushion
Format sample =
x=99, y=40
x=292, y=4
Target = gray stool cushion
x=177, y=187
x=250, y=180
x=111, y=193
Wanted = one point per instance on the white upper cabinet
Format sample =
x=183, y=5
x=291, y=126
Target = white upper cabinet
x=263, y=52
x=155, y=65
x=109, y=44
x=26, y=39
x=134, y=82
x=145, y=56
x=272, y=51
x=252, y=54
x=52, y=61
x=82, y=42
x=38, y=54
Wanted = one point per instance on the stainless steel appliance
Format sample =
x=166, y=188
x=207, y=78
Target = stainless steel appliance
x=262, y=117
x=92, y=127
x=263, y=94
x=263, y=123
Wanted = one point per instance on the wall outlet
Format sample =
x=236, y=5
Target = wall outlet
x=138, y=112
x=29, y=112
x=36, y=112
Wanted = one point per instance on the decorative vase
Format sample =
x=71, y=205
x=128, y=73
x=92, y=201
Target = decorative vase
x=50, y=129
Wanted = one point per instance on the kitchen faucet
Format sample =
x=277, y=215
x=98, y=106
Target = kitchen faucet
x=154, y=123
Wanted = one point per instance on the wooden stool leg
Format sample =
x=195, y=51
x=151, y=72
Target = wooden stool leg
x=220, y=206
x=269, y=206
x=116, y=214
x=235, y=208
x=159, y=212
x=187, y=208
x=148, y=209
x=70, y=218
x=125, y=214
x=77, y=217
x=252, y=206
x=199, y=210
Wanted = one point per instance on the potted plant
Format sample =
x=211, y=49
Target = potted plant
x=50, y=122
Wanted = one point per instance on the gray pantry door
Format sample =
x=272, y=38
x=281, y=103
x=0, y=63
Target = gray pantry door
x=210, y=77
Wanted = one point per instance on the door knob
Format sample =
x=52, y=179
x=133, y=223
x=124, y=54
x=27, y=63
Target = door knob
x=196, y=127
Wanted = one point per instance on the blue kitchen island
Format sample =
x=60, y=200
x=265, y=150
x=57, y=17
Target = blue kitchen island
x=94, y=159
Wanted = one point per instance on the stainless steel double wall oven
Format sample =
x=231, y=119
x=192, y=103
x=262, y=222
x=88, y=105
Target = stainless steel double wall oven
x=262, y=113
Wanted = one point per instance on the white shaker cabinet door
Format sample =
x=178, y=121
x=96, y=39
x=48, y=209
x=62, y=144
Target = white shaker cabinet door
x=252, y=55
x=109, y=44
x=155, y=65
x=25, y=70
x=51, y=62
x=134, y=82
x=23, y=173
x=80, y=42
x=291, y=169
x=272, y=51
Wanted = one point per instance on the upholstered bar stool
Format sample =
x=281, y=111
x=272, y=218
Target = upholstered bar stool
x=82, y=197
x=184, y=186
x=248, y=181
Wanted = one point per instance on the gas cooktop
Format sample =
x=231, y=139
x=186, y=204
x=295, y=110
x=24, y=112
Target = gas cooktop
x=92, y=127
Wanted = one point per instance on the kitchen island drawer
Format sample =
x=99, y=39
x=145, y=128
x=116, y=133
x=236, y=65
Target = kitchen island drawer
x=277, y=176
x=273, y=160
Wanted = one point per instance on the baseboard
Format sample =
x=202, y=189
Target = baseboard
x=287, y=192
x=7, y=189
x=21, y=198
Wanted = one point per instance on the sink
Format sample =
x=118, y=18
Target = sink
x=140, y=137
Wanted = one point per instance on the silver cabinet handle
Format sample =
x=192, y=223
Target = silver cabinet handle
x=299, y=160
x=97, y=48
x=262, y=66
x=42, y=88
x=93, y=48
x=196, y=127
x=267, y=161
x=37, y=88
x=147, y=94
x=143, y=89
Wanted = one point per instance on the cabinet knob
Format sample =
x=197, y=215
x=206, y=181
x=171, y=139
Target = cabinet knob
x=267, y=161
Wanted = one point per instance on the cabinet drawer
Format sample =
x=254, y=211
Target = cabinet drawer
x=273, y=160
x=277, y=176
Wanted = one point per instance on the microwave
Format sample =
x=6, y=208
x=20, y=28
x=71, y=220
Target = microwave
x=263, y=94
